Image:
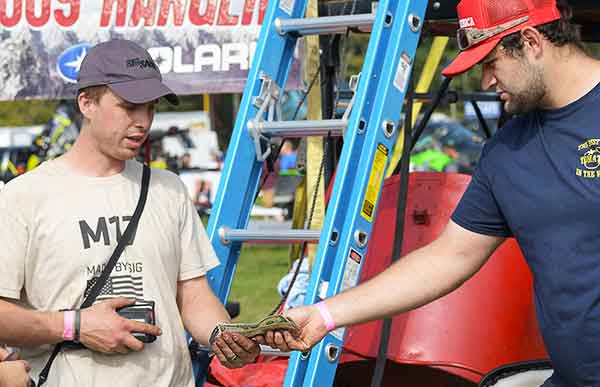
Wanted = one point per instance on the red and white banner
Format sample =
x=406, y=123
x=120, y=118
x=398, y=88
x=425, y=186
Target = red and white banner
x=200, y=46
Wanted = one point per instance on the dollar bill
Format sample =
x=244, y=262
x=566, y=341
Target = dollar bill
x=270, y=323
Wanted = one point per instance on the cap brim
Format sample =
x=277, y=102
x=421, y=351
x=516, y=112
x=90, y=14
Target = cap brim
x=143, y=90
x=469, y=58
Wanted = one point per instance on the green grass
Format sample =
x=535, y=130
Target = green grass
x=260, y=267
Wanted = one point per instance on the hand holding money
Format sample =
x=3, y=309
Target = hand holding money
x=311, y=328
x=271, y=323
x=231, y=341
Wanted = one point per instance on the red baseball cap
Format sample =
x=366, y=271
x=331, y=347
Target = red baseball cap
x=486, y=14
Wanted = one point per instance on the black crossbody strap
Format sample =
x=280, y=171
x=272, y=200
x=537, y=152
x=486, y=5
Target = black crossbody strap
x=95, y=290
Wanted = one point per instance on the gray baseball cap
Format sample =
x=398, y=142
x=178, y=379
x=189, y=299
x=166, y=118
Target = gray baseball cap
x=127, y=69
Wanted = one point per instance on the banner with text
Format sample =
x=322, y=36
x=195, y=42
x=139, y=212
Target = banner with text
x=200, y=46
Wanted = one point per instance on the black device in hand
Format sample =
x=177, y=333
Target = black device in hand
x=142, y=312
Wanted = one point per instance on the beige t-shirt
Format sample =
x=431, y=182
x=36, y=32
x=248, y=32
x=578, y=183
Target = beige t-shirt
x=57, y=229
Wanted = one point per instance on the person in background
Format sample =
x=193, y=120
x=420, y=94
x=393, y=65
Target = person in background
x=186, y=161
x=287, y=157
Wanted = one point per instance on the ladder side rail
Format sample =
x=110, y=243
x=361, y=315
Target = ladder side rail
x=241, y=172
x=345, y=177
x=398, y=60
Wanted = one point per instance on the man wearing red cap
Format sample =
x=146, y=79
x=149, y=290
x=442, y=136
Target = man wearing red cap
x=538, y=181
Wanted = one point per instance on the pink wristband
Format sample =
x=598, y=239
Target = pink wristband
x=69, y=325
x=324, y=311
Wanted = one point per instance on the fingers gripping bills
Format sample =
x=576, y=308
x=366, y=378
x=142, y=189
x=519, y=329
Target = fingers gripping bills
x=270, y=323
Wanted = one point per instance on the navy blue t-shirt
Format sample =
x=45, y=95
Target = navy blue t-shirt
x=539, y=180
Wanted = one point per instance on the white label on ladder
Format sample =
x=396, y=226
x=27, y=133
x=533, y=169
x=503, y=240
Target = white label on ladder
x=323, y=290
x=402, y=72
x=338, y=333
x=349, y=281
x=287, y=6
x=351, y=270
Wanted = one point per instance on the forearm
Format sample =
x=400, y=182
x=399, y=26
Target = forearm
x=200, y=317
x=28, y=328
x=415, y=280
x=200, y=310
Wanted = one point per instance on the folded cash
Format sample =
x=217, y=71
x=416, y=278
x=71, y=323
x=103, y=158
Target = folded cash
x=270, y=323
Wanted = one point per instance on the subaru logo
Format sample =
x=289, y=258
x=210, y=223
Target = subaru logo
x=69, y=62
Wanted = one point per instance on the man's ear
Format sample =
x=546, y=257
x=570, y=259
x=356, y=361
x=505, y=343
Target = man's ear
x=532, y=41
x=85, y=103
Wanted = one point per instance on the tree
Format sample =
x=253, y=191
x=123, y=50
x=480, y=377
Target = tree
x=26, y=113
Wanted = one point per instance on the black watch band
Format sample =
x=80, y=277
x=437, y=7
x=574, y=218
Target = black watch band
x=77, y=330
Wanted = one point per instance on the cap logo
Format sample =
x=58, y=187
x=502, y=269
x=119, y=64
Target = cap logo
x=141, y=63
x=467, y=22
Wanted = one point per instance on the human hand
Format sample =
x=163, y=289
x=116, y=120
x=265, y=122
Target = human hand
x=103, y=330
x=14, y=373
x=311, y=329
x=235, y=351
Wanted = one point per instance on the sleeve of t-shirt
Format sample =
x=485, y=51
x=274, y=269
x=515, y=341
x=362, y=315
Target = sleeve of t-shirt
x=13, y=251
x=198, y=256
x=478, y=210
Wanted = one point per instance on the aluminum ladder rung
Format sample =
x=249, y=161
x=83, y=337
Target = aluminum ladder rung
x=228, y=235
x=325, y=25
x=299, y=128
x=264, y=350
x=268, y=351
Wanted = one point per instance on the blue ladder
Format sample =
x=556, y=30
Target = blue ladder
x=370, y=131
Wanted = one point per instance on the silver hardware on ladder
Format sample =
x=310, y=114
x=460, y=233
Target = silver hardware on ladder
x=267, y=102
x=294, y=129
x=288, y=236
x=325, y=25
x=353, y=83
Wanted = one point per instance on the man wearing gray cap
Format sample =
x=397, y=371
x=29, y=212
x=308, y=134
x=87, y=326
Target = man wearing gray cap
x=61, y=222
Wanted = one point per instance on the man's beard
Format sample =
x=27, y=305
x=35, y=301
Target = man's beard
x=530, y=96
